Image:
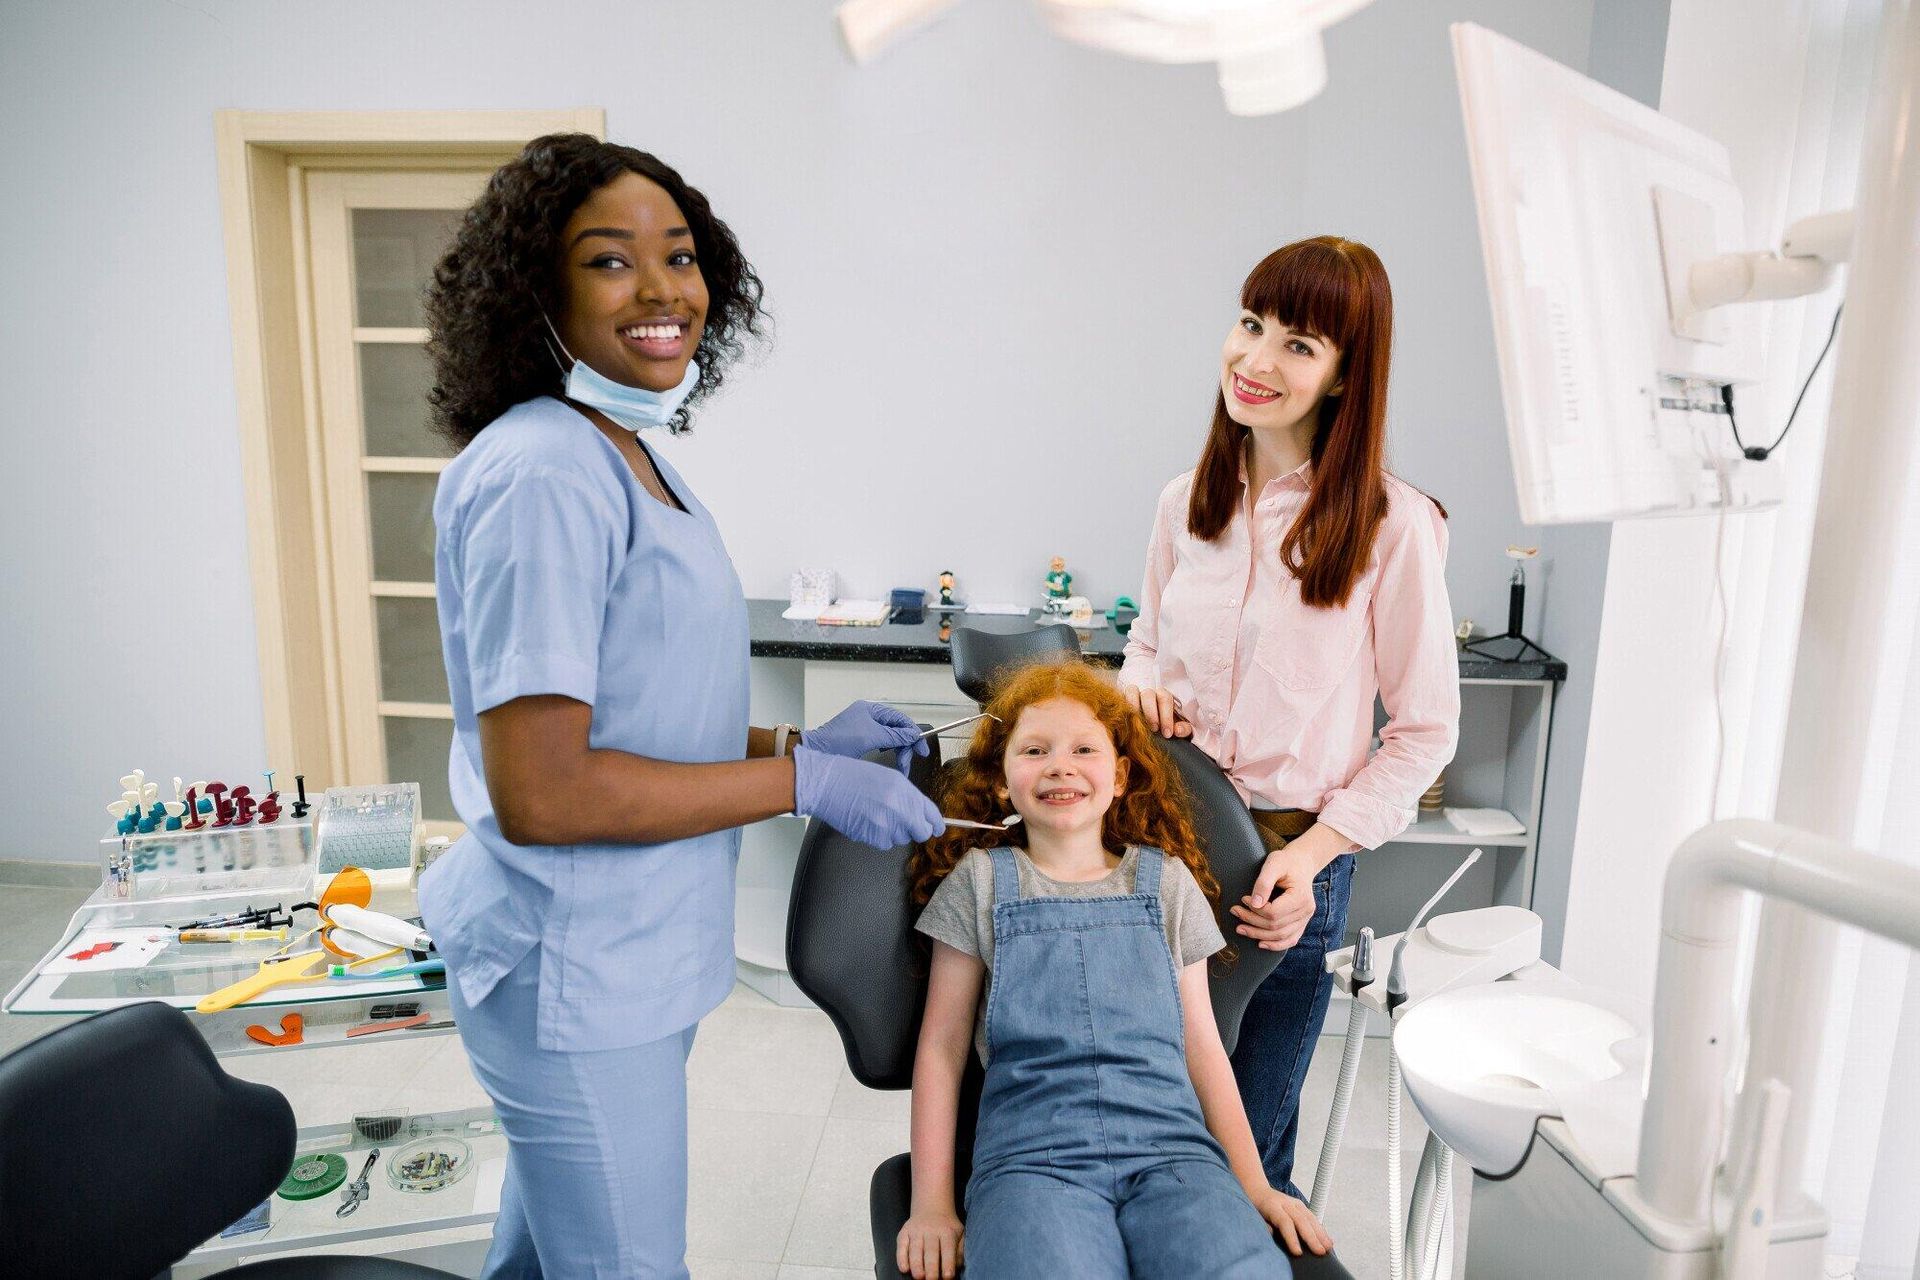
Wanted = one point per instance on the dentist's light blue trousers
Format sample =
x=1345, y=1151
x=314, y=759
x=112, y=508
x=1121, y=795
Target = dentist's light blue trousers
x=596, y=1180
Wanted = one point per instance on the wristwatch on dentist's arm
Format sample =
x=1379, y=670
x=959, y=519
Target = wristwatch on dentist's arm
x=781, y=732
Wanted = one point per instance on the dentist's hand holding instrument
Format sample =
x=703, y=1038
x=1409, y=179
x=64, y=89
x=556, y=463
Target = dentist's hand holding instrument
x=868, y=726
x=869, y=802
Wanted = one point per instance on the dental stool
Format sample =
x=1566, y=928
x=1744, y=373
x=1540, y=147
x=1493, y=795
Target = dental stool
x=124, y=1145
x=851, y=948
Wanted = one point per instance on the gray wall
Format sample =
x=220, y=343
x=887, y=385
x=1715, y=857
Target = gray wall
x=1001, y=268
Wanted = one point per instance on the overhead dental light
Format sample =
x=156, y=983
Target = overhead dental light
x=1270, y=53
x=868, y=27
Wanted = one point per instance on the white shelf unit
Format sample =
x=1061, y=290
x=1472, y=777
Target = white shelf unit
x=385, y=1222
x=1500, y=763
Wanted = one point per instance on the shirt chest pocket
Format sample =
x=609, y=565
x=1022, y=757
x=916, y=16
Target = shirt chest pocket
x=1304, y=647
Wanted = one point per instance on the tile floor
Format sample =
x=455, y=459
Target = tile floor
x=783, y=1140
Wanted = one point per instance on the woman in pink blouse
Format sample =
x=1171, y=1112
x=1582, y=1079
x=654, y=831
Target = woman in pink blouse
x=1289, y=579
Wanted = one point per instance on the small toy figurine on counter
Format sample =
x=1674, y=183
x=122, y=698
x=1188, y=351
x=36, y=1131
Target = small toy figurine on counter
x=946, y=589
x=1059, y=586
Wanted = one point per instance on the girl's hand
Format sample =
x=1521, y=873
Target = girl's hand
x=1160, y=709
x=1291, y=1220
x=931, y=1245
x=1281, y=905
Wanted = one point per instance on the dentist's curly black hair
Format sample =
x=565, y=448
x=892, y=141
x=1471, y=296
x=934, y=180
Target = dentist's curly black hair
x=485, y=335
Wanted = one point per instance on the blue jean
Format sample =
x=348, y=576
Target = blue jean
x=1091, y=1155
x=596, y=1182
x=1283, y=1022
x=1174, y=1220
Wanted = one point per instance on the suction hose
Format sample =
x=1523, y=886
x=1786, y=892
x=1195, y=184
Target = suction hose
x=1349, y=1072
x=1429, y=1233
x=1396, y=1243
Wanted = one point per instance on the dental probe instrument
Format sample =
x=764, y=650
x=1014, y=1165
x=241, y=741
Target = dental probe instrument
x=942, y=728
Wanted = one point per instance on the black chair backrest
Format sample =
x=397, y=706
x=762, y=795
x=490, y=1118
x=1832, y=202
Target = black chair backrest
x=850, y=943
x=1234, y=852
x=979, y=657
x=123, y=1145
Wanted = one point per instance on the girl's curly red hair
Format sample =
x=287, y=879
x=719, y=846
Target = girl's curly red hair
x=1152, y=810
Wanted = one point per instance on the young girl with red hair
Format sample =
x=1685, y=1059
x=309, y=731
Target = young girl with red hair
x=1071, y=955
x=1289, y=580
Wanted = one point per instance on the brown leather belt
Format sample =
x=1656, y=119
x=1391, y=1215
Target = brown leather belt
x=1278, y=826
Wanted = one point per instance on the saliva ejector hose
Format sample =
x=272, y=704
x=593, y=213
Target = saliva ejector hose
x=1349, y=1072
x=1397, y=975
x=1436, y=1163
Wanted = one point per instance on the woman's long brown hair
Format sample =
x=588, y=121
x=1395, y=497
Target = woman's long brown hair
x=1338, y=290
x=1151, y=811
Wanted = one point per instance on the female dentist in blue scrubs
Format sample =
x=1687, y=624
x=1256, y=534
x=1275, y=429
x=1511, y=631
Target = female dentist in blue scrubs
x=595, y=638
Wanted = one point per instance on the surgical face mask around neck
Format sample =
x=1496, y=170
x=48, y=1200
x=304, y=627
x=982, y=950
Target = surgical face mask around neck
x=634, y=408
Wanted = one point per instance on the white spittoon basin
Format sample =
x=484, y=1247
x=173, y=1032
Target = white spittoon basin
x=1485, y=1063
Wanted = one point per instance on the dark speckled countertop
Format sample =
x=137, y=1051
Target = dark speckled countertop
x=775, y=637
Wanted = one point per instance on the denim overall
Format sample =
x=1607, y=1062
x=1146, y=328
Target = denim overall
x=1091, y=1156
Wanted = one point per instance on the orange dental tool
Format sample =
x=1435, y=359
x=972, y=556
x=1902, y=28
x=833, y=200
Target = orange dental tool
x=292, y=1031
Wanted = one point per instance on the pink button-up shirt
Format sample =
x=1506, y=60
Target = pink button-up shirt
x=1281, y=694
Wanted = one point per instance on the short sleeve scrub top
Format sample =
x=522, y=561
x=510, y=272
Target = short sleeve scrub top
x=557, y=573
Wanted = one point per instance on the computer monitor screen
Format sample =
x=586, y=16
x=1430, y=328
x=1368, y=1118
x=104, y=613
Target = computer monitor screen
x=1592, y=207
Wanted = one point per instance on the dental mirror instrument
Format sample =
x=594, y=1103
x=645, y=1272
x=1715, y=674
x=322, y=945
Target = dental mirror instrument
x=982, y=826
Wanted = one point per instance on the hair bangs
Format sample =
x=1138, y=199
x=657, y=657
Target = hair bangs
x=1311, y=287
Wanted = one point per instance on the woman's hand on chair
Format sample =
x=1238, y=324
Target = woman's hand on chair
x=1292, y=1221
x=1160, y=709
x=931, y=1246
x=1281, y=905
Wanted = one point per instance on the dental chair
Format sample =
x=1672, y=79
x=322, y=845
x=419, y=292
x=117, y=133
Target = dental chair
x=124, y=1145
x=851, y=946
x=979, y=657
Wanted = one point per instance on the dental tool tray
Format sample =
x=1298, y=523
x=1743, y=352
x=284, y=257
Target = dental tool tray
x=180, y=974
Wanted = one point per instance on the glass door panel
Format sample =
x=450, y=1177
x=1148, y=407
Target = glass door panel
x=375, y=238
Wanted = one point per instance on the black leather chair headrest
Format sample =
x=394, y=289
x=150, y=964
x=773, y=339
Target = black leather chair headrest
x=123, y=1145
x=981, y=657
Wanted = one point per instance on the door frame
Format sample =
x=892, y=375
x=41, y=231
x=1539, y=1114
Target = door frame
x=262, y=156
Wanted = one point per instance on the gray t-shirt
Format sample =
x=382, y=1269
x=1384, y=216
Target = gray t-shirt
x=960, y=913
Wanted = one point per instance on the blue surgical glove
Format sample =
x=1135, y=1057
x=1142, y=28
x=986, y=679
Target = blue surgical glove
x=868, y=726
x=869, y=802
